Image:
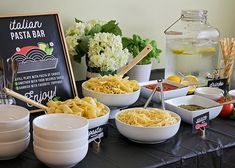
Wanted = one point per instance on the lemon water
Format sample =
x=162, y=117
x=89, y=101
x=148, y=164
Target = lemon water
x=189, y=56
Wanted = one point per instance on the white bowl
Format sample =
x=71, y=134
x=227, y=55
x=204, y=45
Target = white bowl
x=148, y=135
x=60, y=159
x=10, y=150
x=13, y=117
x=209, y=92
x=95, y=122
x=15, y=135
x=58, y=145
x=115, y=100
x=180, y=91
x=60, y=127
x=211, y=106
x=232, y=93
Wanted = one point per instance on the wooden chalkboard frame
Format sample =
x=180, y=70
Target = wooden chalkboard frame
x=62, y=41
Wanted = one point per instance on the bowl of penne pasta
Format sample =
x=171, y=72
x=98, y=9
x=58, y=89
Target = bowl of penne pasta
x=148, y=126
x=113, y=91
x=96, y=112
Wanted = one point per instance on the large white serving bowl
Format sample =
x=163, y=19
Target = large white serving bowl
x=13, y=117
x=60, y=159
x=58, y=145
x=10, y=150
x=209, y=92
x=115, y=100
x=148, y=135
x=95, y=122
x=210, y=106
x=60, y=127
x=14, y=135
x=180, y=91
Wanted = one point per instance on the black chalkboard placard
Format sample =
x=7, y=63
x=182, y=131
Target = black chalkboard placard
x=219, y=83
x=37, y=43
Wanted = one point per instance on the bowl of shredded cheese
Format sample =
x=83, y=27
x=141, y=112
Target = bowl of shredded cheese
x=112, y=90
x=149, y=126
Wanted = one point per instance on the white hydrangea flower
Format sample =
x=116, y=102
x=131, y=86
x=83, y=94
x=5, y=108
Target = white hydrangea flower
x=106, y=52
x=78, y=30
x=91, y=23
x=72, y=34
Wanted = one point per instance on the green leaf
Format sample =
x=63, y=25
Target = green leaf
x=56, y=98
x=138, y=44
x=49, y=50
x=112, y=27
x=96, y=29
x=82, y=48
x=126, y=42
x=78, y=21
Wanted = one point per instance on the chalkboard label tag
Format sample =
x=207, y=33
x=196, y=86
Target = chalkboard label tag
x=200, y=121
x=98, y=132
x=218, y=83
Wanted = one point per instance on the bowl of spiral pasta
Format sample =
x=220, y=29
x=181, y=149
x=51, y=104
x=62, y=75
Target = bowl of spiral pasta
x=97, y=113
x=148, y=126
x=114, y=91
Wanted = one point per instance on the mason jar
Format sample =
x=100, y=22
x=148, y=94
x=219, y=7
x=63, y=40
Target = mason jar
x=191, y=45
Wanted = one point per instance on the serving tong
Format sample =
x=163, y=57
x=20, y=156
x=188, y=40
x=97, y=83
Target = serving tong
x=158, y=85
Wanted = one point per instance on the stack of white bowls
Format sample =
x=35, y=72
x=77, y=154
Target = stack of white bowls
x=60, y=140
x=14, y=131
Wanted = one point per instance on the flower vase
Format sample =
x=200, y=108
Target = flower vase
x=79, y=69
x=95, y=72
x=141, y=73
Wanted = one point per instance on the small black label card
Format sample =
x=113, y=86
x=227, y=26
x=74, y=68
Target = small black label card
x=219, y=83
x=98, y=132
x=200, y=121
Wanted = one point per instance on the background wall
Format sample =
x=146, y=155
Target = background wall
x=148, y=18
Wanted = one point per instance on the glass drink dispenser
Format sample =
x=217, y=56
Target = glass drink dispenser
x=191, y=45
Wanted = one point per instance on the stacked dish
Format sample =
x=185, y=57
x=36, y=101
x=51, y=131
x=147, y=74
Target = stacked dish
x=14, y=131
x=60, y=140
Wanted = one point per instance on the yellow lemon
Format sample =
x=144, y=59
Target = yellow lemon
x=191, y=88
x=207, y=51
x=190, y=79
x=174, y=78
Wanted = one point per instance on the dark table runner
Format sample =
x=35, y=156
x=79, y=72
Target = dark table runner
x=184, y=150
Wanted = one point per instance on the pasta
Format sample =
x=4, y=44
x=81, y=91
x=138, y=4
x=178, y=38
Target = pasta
x=147, y=117
x=112, y=85
x=86, y=107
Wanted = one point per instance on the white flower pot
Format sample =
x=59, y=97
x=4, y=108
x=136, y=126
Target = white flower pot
x=141, y=73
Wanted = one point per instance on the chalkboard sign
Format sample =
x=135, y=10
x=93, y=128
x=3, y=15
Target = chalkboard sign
x=218, y=83
x=37, y=43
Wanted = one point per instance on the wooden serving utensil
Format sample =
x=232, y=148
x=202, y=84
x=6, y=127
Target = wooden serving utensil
x=24, y=99
x=134, y=61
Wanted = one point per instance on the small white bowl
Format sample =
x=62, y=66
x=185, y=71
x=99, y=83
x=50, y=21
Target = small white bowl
x=210, y=106
x=57, y=145
x=180, y=91
x=60, y=127
x=14, y=135
x=147, y=135
x=60, y=159
x=209, y=92
x=95, y=122
x=10, y=150
x=13, y=117
x=232, y=93
x=115, y=100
